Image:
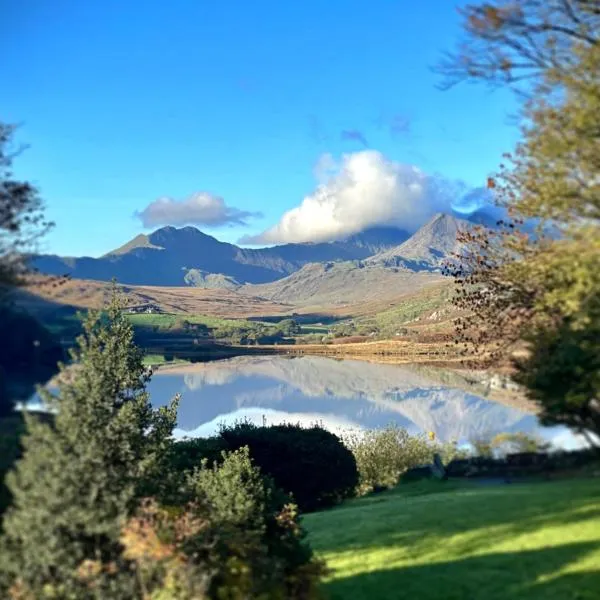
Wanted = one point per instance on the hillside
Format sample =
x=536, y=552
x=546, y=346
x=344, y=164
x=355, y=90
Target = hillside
x=427, y=248
x=343, y=284
x=94, y=294
x=174, y=257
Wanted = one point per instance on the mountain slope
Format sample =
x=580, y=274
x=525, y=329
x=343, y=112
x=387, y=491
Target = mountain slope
x=427, y=248
x=176, y=257
x=45, y=301
x=404, y=268
x=342, y=284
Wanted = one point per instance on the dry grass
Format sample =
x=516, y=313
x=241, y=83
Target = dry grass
x=385, y=348
x=179, y=300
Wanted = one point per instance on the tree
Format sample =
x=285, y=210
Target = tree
x=22, y=220
x=260, y=542
x=22, y=223
x=237, y=537
x=537, y=291
x=81, y=476
x=563, y=373
x=288, y=327
x=517, y=43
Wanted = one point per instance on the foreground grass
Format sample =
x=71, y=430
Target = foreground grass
x=464, y=541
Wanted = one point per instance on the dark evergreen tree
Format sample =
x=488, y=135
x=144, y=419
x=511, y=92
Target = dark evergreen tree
x=82, y=475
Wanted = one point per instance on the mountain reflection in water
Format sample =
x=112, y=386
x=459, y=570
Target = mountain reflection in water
x=340, y=394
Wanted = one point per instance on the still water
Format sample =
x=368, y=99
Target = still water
x=339, y=394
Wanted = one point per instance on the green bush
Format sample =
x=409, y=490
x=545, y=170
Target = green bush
x=188, y=454
x=183, y=458
x=312, y=464
x=11, y=430
x=259, y=545
x=503, y=444
x=383, y=455
x=237, y=538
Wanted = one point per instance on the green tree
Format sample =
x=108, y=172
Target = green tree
x=289, y=327
x=81, y=476
x=260, y=543
x=236, y=537
x=22, y=223
x=562, y=372
x=537, y=292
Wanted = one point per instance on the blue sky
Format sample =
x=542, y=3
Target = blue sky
x=233, y=103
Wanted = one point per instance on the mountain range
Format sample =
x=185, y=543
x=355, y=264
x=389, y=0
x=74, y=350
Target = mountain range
x=188, y=257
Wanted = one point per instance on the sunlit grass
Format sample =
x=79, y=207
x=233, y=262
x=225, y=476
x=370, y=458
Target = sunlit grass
x=167, y=321
x=539, y=541
x=160, y=359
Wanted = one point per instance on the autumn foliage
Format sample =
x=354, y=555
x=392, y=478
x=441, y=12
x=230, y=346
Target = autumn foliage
x=530, y=288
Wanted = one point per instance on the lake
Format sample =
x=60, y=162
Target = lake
x=339, y=394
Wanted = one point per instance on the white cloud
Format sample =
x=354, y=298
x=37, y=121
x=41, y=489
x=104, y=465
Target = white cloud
x=200, y=208
x=365, y=189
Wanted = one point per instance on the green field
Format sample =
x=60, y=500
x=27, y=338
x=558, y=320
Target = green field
x=168, y=321
x=447, y=541
x=309, y=329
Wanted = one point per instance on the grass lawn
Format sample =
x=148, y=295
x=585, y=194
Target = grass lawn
x=448, y=541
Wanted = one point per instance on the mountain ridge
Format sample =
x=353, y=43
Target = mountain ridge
x=167, y=255
x=427, y=248
x=186, y=256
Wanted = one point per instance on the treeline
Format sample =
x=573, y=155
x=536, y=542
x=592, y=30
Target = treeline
x=258, y=333
x=225, y=330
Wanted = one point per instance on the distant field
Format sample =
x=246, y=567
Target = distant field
x=464, y=542
x=423, y=313
x=180, y=300
x=307, y=329
x=168, y=321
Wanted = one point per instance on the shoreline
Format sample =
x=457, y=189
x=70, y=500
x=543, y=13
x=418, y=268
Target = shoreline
x=472, y=378
x=382, y=352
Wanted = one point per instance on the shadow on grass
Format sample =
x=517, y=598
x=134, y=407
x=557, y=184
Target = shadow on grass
x=531, y=575
x=474, y=514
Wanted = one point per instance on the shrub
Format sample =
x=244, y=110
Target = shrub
x=383, y=455
x=11, y=430
x=258, y=545
x=503, y=444
x=238, y=538
x=482, y=447
x=188, y=454
x=183, y=457
x=312, y=464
